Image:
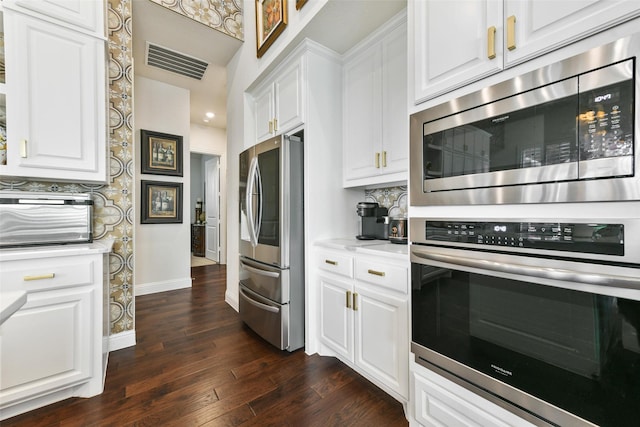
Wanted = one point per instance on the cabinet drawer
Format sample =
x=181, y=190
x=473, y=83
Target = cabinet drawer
x=335, y=262
x=385, y=275
x=38, y=275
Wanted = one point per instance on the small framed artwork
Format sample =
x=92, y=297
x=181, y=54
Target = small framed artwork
x=271, y=20
x=161, y=153
x=300, y=3
x=161, y=202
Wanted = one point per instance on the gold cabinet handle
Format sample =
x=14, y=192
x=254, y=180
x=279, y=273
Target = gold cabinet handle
x=377, y=160
x=39, y=277
x=376, y=273
x=384, y=159
x=491, y=42
x=275, y=125
x=328, y=261
x=348, y=299
x=270, y=126
x=355, y=301
x=23, y=148
x=511, y=32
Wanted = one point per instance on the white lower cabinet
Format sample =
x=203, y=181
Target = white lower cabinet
x=52, y=347
x=365, y=322
x=438, y=402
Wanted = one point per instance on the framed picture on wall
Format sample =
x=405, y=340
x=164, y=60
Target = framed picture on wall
x=161, y=153
x=161, y=202
x=300, y=3
x=271, y=20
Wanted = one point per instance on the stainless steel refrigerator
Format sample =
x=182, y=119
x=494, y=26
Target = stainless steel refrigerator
x=272, y=241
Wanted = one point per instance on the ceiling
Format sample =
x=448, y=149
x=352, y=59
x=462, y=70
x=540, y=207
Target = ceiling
x=339, y=26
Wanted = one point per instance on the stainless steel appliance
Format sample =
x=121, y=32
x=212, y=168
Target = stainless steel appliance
x=272, y=241
x=540, y=316
x=566, y=132
x=374, y=222
x=43, y=218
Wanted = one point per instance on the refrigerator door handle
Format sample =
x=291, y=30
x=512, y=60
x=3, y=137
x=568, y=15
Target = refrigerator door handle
x=255, y=303
x=260, y=272
x=259, y=192
x=249, y=199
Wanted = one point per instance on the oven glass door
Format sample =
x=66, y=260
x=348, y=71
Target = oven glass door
x=576, y=350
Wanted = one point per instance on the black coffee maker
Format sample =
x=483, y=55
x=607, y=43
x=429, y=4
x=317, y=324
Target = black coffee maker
x=373, y=221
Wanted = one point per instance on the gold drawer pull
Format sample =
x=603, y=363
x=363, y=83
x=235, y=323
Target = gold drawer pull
x=355, y=301
x=384, y=159
x=23, y=148
x=377, y=161
x=328, y=261
x=348, y=299
x=376, y=273
x=39, y=277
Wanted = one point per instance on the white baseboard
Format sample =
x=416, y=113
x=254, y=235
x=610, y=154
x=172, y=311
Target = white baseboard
x=122, y=340
x=168, y=285
x=232, y=300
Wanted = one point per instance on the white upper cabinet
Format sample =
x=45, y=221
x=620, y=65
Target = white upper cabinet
x=55, y=100
x=375, y=121
x=87, y=15
x=278, y=104
x=456, y=43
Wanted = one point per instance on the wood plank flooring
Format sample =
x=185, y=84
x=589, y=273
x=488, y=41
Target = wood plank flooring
x=197, y=364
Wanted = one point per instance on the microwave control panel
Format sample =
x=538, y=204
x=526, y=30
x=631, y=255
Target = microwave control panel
x=595, y=238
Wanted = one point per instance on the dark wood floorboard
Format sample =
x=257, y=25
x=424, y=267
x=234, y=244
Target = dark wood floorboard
x=196, y=364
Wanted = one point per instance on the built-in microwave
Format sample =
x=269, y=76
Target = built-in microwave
x=566, y=132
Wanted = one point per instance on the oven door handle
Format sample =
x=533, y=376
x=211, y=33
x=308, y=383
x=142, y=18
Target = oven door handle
x=526, y=270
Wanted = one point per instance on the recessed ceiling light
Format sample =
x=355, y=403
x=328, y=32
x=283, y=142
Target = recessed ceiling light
x=210, y=115
x=206, y=120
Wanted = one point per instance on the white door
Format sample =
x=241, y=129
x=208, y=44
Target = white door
x=212, y=208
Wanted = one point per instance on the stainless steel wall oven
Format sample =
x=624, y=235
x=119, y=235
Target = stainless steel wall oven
x=566, y=132
x=540, y=316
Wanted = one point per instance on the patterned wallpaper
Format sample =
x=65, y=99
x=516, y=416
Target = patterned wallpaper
x=222, y=15
x=113, y=202
x=392, y=198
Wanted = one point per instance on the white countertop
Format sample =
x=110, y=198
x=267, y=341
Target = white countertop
x=371, y=247
x=10, y=302
x=31, y=252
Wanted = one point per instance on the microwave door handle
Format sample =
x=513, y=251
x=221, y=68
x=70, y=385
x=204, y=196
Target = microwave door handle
x=260, y=305
x=541, y=272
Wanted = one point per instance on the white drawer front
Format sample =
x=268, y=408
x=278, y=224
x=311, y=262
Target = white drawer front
x=44, y=274
x=335, y=262
x=381, y=274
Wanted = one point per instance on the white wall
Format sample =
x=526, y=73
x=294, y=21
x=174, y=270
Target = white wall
x=213, y=141
x=162, y=251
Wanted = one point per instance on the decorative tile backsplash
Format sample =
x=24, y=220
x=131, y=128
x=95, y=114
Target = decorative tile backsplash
x=392, y=198
x=222, y=15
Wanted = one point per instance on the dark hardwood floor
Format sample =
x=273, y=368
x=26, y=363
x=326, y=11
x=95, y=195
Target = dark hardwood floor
x=196, y=363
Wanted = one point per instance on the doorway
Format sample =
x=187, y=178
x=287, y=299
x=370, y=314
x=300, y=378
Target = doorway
x=205, y=188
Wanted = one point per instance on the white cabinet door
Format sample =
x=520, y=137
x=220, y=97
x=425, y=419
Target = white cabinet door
x=264, y=112
x=362, y=114
x=382, y=337
x=47, y=344
x=395, y=120
x=56, y=88
x=544, y=25
x=88, y=15
x=452, y=46
x=336, y=318
x=288, y=98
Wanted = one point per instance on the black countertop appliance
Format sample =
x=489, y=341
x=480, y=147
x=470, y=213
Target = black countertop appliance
x=373, y=221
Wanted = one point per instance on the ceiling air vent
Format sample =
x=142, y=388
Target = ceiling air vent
x=170, y=60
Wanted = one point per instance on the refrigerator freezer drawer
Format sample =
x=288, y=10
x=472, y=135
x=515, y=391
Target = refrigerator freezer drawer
x=267, y=281
x=267, y=318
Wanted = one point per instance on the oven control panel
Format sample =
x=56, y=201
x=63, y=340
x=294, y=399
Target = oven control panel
x=595, y=238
